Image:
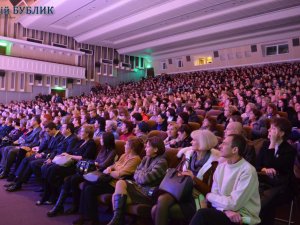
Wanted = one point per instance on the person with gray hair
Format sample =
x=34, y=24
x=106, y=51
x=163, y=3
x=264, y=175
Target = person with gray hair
x=246, y=114
x=200, y=161
x=111, y=126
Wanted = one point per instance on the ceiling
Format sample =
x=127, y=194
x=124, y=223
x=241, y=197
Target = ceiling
x=160, y=27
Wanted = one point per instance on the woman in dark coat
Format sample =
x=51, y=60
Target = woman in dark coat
x=105, y=158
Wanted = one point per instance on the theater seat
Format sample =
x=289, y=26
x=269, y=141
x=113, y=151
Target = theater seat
x=213, y=113
x=120, y=147
x=283, y=114
x=216, y=107
x=200, y=112
x=247, y=132
x=157, y=133
x=194, y=126
x=220, y=128
x=201, y=118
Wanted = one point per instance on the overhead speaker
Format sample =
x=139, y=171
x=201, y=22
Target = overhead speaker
x=296, y=42
x=97, y=64
x=15, y=2
x=170, y=61
x=116, y=61
x=188, y=58
x=216, y=54
x=253, y=48
x=2, y=73
x=38, y=77
x=70, y=80
x=150, y=72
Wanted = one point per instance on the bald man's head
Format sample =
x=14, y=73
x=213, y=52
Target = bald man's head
x=234, y=128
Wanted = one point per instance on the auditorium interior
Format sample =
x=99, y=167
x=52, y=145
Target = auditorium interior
x=149, y=112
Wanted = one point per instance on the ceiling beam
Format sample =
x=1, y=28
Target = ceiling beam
x=213, y=30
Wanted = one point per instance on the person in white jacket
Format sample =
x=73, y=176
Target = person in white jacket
x=234, y=196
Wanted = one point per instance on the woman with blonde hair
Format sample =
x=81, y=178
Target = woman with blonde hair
x=200, y=161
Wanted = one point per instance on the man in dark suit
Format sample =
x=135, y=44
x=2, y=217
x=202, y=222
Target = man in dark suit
x=93, y=116
x=30, y=141
x=34, y=163
x=69, y=141
x=275, y=166
x=6, y=128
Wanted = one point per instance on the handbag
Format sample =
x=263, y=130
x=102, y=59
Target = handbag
x=180, y=187
x=85, y=166
x=63, y=160
x=97, y=176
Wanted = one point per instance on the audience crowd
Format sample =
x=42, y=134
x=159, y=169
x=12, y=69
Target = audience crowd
x=236, y=132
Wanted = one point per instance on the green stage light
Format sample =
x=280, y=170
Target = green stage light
x=7, y=45
x=58, y=88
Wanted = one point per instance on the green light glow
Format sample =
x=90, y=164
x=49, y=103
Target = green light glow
x=136, y=70
x=58, y=88
x=8, y=46
x=148, y=65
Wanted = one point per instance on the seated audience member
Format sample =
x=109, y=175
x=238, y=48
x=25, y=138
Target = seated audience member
x=124, y=167
x=171, y=115
x=111, y=126
x=201, y=160
x=236, y=118
x=275, y=165
x=237, y=128
x=6, y=128
x=136, y=118
x=104, y=159
x=283, y=107
x=223, y=118
x=258, y=124
x=34, y=163
x=271, y=111
x=31, y=140
x=19, y=129
x=156, y=112
x=246, y=115
x=207, y=105
x=123, y=116
x=182, y=118
x=163, y=107
x=99, y=126
x=84, y=118
x=172, y=132
x=192, y=114
x=142, y=111
x=162, y=122
x=142, y=129
x=183, y=139
x=57, y=122
x=54, y=174
x=126, y=130
x=147, y=177
x=234, y=194
x=179, y=107
x=93, y=116
x=77, y=125
x=210, y=123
